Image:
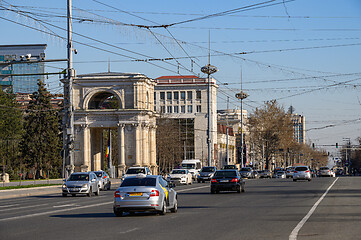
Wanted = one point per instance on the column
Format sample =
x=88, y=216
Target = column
x=145, y=146
x=138, y=156
x=152, y=149
x=85, y=166
x=121, y=149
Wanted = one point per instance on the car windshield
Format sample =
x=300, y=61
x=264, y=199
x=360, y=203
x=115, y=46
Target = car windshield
x=207, y=169
x=229, y=167
x=99, y=174
x=245, y=169
x=301, y=169
x=324, y=168
x=188, y=166
x=138, y=182
x=179, y=172
x=79, y=177
x=135, y=171
x=280, y=172
x=225, y=174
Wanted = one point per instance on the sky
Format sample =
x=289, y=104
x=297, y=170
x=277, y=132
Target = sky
x=304, y=53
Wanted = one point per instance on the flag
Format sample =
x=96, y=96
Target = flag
x=108, y=147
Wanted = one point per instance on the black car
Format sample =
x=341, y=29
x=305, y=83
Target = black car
x=227, y=180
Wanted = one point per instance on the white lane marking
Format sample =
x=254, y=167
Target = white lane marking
x=130, y=230
x=189, y=189
x=295, y=231
x=74, y=208
x=9, y=205
x=16, y=208
x=54, y=211
x=65, y=205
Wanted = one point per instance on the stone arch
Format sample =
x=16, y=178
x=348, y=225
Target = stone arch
x=97, y=99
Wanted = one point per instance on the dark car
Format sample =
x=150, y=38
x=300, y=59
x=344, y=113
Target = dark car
x=225, y=167
x=246, y=172
x=206, y=174
x=227, y=180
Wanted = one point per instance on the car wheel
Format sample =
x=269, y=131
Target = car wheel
x=164, y=208
x=175, y=207
x=239, y=189
x=64, y=194
x=109, y=185
x=97, y=192
x=242, y=189
x=90, y=193
x=118, y=213
x=294, y=180
x=309, y=180
x=212, y=191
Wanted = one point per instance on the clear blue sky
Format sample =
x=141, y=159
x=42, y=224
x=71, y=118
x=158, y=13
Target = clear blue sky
x=304, y=53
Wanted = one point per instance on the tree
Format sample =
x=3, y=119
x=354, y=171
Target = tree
x=10, y=129
x=270, y=130
x=41, y=143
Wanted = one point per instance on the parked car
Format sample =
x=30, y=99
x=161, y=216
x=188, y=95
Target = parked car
x=225, y=167
x=206, y=174
x=85, y=183
x=289, y=172
x=302, y=173
x=145, y=193
x=133, y=171
x=281, y=174
x=180, y=176
x=104, y=180
x=256, y=174
x=265, y=174
x=246, y=172
x=326, y=172
x=227, y=180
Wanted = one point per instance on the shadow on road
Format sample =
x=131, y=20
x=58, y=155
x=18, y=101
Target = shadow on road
x=85, y=215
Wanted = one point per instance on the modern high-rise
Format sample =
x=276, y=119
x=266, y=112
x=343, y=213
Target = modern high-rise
x=21, y=59
x=185, y=98
x=298, y=128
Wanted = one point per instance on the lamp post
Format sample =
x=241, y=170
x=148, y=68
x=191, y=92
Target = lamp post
x=209, y=69
x=241, y=95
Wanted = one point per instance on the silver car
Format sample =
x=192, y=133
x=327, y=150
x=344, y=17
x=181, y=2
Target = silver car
x=302, y=173
x=81, y=183
x=206, y=174
x=145, y=193
x=104, y=180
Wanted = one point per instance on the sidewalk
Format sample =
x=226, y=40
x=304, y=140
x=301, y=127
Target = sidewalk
x=37, y=191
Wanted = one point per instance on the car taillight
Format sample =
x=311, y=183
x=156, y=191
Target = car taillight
x=307, y=171
x=154, y=193
x=213, y=180
x=105, y=177
x=234, y=180
x=117, y=194
x=295, y=172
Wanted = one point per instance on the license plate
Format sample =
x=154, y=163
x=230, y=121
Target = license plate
x=224, y=181
x=74, y=189
x=136, y=194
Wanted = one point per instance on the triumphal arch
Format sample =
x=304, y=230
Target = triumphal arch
x=118, y=101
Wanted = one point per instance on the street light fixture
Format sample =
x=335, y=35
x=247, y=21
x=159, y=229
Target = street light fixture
x=209, y=69
x=241, y=95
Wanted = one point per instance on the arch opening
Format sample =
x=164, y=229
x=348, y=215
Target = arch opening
x=104, y=100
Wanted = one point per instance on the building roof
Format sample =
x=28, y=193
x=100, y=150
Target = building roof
x=188, y=79
x=177, y=77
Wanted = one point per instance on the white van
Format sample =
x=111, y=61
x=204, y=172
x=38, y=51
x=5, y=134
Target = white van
x=193, y=166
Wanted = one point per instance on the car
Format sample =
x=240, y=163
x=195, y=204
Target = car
x=256, y=174
x=225, y=167
x=281, y=174
x=326, y=172
x=206, y=174
x=246, y=172
x=193, y=166
x=289, y=172
x=302, y=173
x=104, y=180
x=227, y=180
x=142, y=193
x=85, y=183
x=180, y=176
x=265, y=174
x=133, y=171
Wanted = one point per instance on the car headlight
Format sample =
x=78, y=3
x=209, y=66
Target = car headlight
x=64, y=186
x=84, y=186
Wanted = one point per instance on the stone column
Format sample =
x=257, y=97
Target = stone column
x=145, y=144
x=121, y=148
x=152, y=149
x=86, y=165
x=138, y=156
x=96, y=135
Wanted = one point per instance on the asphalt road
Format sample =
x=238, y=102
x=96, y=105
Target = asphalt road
x=269, y=209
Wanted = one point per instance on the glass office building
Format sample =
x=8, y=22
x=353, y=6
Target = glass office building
x=27, y=54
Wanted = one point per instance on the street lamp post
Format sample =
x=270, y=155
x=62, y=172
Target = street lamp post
x=209, y=69
x=242, y=95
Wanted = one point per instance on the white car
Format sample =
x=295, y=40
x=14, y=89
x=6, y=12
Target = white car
x=326, y=172
x=182, y=176
x=281, y=174
x=302, y=173
x=134, y=171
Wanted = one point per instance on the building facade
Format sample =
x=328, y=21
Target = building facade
x=299, y=128
x=225, y=140
x=185, y=98
x=21, y=59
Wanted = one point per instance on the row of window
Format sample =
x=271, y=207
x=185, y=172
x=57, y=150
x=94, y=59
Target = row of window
x=176, y=95
x=176, y=109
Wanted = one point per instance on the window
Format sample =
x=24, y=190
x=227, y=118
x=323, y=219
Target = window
x=199, y=108
x=162, y=109
x=198, y=95
x=162, y=95
x=169, y=95
x=183, y=95
x=190, y=108
x=183, y=109
x=169, y=109
x=176, y=95
x=176, y=109
x=155, y=96
x=189, y=95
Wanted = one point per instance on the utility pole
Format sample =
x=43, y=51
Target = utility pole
x=227, y=141
x=68, y=130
